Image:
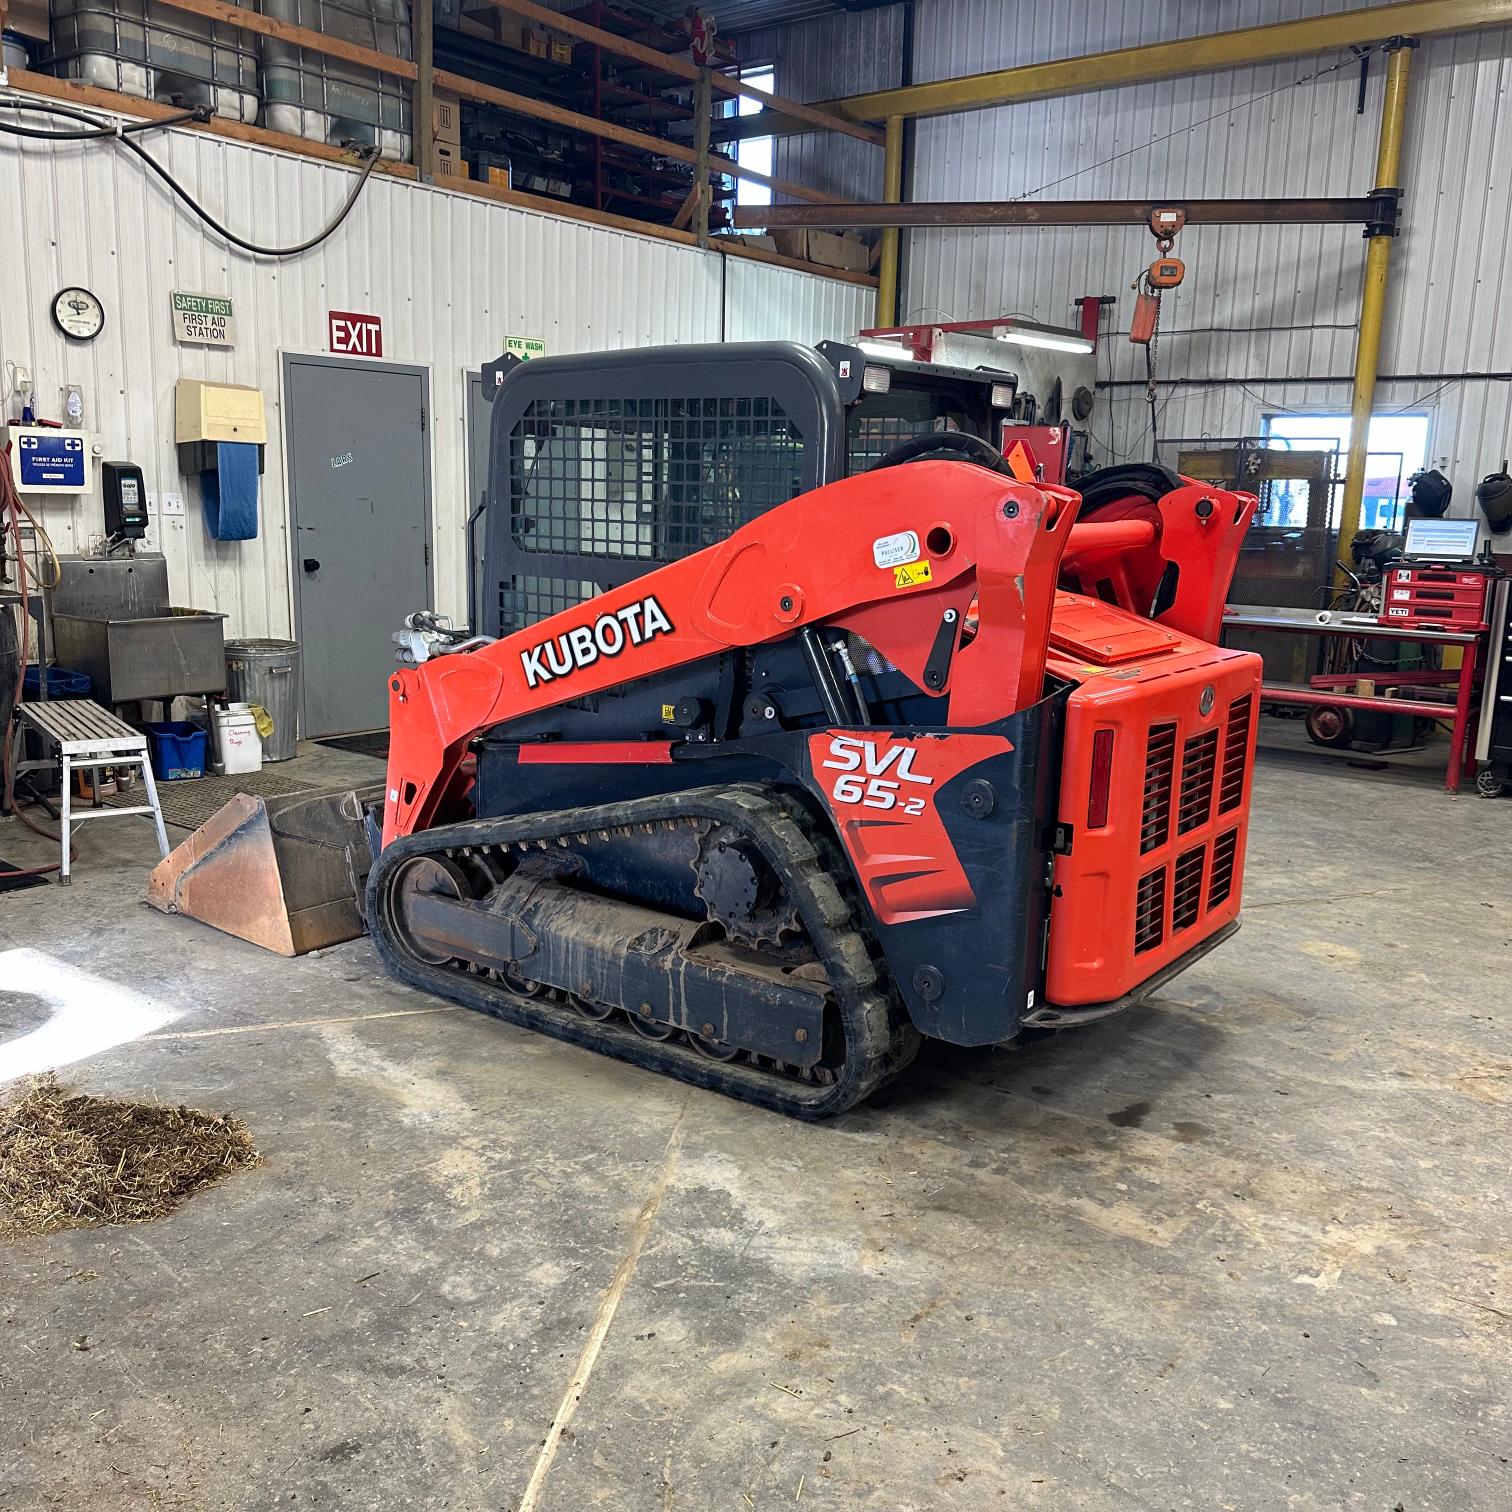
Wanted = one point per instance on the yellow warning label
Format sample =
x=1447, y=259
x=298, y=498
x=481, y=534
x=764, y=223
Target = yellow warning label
x=912, y=573
x=669, y=712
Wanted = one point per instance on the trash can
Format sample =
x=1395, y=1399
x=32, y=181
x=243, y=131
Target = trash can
x=266, y=672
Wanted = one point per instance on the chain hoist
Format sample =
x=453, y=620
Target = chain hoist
x=1164, y=273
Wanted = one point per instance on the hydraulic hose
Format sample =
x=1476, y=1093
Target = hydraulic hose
x=10, y=504
x=97, y=130
x=125, y=136
x=971, y=448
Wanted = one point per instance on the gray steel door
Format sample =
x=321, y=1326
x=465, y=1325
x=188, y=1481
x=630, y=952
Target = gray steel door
x=359, y=500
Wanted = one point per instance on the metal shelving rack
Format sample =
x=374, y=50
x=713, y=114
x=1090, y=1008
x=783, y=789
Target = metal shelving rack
x=638, y=94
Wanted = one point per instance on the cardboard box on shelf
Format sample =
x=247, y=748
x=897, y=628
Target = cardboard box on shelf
x=536, y=44
x=790, y=241
x=823, y=247
x=749, y=239
x=561, y=51
x=501, y=178
x=832, y=251
x=448, y=162
x=446, y=117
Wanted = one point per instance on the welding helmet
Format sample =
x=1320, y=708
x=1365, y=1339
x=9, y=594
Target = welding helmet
x=1495, y=499
x=1431, y=493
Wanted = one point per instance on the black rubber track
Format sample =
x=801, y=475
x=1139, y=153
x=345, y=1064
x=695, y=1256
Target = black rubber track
x=879, y=1039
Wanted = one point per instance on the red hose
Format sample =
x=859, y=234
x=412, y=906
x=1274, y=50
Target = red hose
x=11, y=504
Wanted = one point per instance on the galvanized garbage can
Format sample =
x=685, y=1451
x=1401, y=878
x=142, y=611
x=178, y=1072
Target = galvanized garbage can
x=266, y=672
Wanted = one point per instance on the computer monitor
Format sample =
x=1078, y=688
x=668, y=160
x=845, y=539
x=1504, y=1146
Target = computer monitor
x=1442, y=540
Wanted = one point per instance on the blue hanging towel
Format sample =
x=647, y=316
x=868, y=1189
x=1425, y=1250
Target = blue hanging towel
x=231, y=492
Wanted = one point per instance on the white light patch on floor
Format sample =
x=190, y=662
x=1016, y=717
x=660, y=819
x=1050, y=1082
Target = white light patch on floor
x=88, y=1013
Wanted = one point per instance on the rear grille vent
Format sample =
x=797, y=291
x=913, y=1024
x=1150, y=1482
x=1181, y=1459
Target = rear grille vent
x=1221, y=883
x=1235, y=750
x=1149, y=911
x=1186, y=890
x=1160, y=761
x=1198, y=758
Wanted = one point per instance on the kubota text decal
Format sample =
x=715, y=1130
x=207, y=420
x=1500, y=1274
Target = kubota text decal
x=581, y=646
x=881, y=791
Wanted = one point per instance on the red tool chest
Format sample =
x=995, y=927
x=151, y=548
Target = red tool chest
x=1449, y=598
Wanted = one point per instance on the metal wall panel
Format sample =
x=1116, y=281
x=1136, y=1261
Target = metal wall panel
x=449, y=275
x=1276, y=306
x=817, y=60
x=765, y=302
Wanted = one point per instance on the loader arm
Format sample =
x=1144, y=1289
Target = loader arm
x=895, y=556
x=1169, y=558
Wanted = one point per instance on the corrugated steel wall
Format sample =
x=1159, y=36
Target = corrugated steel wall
x=817, y=60
x=1273, y=306
x=762, y=302
x=450, y=276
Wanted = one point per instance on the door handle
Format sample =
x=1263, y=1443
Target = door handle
x=311, y=565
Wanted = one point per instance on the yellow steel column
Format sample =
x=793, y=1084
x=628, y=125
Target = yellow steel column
x=1373, y=298
x=892, y=194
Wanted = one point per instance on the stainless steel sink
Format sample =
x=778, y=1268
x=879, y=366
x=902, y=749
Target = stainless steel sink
x=148, y=653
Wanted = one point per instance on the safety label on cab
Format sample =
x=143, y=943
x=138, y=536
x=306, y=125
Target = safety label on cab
x=895, y=550
x=910, y=574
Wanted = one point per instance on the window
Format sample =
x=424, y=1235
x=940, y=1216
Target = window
x=755, y=153
x=1397, y=448
x=882, y=421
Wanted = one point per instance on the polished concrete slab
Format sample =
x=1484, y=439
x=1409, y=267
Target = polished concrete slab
x=1247, y=1248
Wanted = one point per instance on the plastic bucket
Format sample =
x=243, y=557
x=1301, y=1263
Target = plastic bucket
x=237, y=741
x=266, y=672
x=178, y=750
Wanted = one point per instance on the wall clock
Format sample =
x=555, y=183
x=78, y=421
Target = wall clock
x=78, y=314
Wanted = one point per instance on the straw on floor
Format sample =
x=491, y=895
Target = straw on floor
x=68, y=1159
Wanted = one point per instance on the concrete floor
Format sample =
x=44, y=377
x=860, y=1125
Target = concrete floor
x=1247, y=1248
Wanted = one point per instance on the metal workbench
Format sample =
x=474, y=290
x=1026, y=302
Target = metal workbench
x=1340, y=624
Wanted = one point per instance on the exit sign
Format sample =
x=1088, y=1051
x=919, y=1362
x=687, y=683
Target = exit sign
x=354, y=335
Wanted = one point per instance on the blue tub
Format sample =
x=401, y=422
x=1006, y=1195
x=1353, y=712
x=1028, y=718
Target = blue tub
x=61, y=683
x=178, y=750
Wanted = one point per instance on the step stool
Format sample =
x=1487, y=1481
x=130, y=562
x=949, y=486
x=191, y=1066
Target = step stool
x=85, y=735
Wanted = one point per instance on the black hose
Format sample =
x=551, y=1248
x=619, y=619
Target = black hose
x=972, y=449
x=103, y=129
x=95, y=133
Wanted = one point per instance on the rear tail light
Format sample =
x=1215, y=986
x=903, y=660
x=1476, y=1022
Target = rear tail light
x=1102, y=779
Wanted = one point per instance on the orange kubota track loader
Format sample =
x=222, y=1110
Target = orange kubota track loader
x=915, y=753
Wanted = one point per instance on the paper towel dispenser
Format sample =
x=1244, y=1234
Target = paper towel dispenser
x=209, y=414
x=221, y=433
